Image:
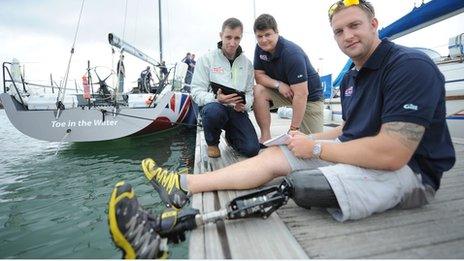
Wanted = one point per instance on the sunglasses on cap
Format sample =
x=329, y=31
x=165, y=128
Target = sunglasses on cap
x=347, y=3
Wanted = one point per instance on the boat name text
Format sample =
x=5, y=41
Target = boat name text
x=83, y=123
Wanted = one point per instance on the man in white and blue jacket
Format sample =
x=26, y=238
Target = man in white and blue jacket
x=227, y=66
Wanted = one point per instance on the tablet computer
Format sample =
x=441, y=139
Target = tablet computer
x=227, y=90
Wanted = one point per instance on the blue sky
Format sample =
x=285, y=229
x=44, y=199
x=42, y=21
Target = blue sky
x=40, y=33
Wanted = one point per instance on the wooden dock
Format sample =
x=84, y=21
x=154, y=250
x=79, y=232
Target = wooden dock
x=433, y=231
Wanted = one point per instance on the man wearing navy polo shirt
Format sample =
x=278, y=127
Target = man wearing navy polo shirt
x=391, y=152
x=284, y=76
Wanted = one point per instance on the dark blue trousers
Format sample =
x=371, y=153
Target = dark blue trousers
x=240, y=133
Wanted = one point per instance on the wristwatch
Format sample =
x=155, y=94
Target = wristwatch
x=317, y=150
x=277, y=85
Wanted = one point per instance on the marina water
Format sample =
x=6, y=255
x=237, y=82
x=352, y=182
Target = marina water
x=54, y=205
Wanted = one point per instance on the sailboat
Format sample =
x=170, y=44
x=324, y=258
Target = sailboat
x=451, y=65
x=94, y=115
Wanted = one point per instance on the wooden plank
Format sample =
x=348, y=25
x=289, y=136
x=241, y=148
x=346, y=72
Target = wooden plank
x=241, y=234
x=389, y=239
x=450, y=249
x=197, y=240
x=232, y=239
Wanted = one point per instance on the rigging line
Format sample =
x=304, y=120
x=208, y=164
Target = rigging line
x=136, y=21
x=166, y=23
x=124, y=26
x=70, y=56
x=60, y=97
x=148, y=119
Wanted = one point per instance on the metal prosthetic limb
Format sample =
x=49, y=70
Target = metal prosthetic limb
x=307, y=188
x=174, y=223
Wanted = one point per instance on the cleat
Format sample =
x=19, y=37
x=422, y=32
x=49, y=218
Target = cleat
x=133, y=229
x=166, y=183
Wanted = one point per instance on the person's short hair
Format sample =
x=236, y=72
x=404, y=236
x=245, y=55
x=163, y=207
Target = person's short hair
x=365, y=6
x=232, y=23
x=264, y=22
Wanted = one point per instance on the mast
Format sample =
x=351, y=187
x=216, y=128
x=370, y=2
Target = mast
x=160, y=31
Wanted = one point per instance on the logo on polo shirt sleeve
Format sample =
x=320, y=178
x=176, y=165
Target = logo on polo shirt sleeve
x=410, y=106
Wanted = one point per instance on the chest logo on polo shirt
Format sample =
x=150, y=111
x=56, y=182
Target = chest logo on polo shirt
x=217, y=70
x=349, y=91
x=264, y=57
x=410, y=106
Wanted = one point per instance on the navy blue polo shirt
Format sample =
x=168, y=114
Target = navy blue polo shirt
x=399, y=84
x=289, y=64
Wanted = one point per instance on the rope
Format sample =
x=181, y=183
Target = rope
x=72, y=51
x=148, y=119
x=136, y=21
x=68, y=131
x=124, y=26
x=61, y=97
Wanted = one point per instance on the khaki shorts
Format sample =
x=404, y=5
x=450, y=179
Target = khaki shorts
x=313, y=119
x=362, y=192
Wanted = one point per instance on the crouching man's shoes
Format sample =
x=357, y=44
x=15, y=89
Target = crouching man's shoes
x=214, y=152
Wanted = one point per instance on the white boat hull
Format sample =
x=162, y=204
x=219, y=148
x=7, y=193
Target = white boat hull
x=84, y=124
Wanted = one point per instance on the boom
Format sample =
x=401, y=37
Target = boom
x=125, y=47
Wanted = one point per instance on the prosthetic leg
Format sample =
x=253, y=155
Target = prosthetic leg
x=306, y=188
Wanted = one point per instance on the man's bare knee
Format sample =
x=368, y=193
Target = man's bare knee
x=274, y=158
x=260, y=91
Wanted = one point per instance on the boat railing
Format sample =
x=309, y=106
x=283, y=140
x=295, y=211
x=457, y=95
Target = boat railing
x=10, y=79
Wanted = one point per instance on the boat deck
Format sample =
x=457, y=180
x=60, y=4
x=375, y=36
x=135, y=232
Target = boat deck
x=433, y=231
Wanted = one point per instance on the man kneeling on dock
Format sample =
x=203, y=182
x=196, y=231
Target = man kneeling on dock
x=391, y=151
x=226, y=66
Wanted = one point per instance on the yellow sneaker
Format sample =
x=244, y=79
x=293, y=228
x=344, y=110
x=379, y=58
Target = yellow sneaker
x=166, y=183
x=132, y=229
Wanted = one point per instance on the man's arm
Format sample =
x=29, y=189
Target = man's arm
x=200, y=84
x=263, y=79
x=391, y=149
x=331, y=134
x=300, y=96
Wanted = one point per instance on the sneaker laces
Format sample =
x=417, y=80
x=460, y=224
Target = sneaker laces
x=141, y=234
x=168, y=180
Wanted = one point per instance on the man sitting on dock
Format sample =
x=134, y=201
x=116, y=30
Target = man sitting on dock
x=284, y=77
x=391, y=151
x=227, y=66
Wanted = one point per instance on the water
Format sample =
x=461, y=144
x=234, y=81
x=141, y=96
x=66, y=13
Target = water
x=55, y=206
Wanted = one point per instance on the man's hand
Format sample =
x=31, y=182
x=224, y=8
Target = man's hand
x=301, y=146
x=285, y=90
x=239, y=107
x=296, y=133
x=228, y=99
